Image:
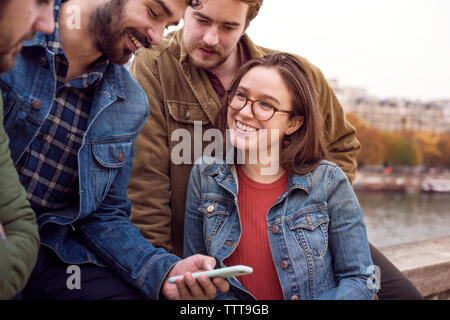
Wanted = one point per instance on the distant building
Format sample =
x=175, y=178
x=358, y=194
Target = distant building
x=394, y=114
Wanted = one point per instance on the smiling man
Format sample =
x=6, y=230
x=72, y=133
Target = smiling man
x=72, y=113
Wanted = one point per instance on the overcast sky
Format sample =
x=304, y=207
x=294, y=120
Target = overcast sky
x=393, y=48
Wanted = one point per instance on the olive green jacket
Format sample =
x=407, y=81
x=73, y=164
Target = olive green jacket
x=181, y=94
x=19, y=223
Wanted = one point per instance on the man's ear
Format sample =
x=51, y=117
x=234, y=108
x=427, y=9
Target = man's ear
x=296, y=123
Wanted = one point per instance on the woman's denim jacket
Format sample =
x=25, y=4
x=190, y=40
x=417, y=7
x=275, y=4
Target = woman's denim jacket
x=316, y=226
x=96, y=229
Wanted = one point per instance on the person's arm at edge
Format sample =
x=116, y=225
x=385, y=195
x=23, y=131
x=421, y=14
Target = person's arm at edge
x=19, y=222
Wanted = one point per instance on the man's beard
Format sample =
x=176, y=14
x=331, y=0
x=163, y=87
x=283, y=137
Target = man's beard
x=218, y=60
x=105, y=26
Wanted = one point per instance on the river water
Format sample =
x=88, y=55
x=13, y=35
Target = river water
x=394, y=218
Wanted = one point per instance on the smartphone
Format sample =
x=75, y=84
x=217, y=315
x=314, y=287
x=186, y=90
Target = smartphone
x=222, y=272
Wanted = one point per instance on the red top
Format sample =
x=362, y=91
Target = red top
x=253, y=250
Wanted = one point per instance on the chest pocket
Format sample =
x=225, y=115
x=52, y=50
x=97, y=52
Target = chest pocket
x=109, y=158
x=215, y=212
x=187, y=113
x=183, y=139
x=310, y=228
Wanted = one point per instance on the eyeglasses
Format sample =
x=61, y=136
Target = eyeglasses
x=261, y=110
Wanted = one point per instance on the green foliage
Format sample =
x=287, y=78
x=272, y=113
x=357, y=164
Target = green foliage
x=403, y=153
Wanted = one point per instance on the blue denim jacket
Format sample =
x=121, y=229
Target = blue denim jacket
x=320, y=231
x=96, y=229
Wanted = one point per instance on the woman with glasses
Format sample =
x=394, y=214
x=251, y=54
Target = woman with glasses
x=298, y=225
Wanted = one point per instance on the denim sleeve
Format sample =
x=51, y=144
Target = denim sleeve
x=194, y=241
x=353, y=267
x=110, y=234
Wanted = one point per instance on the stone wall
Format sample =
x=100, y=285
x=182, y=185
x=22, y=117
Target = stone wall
x=426, y=264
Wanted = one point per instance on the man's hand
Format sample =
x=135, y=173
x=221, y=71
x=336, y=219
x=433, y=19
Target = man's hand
x=202, y=288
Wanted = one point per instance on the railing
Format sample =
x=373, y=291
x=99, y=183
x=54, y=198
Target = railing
x=426, y=264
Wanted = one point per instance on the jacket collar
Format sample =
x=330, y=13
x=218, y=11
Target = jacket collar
x=222, y=172
x=116, y=74
x=216, y=168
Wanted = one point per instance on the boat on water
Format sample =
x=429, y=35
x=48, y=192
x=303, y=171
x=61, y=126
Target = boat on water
x=380, y=184
x=380, y=188
x=436, y=185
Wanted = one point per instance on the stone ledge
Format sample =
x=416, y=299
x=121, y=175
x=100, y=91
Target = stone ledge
x=425, y=263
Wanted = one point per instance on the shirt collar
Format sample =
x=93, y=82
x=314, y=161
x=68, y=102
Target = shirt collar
x=53, y=41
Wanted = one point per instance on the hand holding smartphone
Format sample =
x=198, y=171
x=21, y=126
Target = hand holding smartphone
x=227, y=272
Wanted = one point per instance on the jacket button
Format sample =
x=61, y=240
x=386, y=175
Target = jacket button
x=36, y=104
x=43, y=62
x=120, y=156
x=275, y=229
x=210, y=208
x=187, y=115
x=294, y=298
x=284, y=264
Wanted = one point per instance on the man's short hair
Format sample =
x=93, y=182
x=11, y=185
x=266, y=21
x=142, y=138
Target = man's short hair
x=253, y=9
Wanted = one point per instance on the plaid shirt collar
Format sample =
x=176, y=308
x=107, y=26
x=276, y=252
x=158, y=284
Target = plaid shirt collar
x=54, y=41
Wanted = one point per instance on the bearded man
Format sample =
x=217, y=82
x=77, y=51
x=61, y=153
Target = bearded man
x=72, y=114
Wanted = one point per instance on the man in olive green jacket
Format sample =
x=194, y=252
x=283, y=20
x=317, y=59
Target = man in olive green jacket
x=179, y=85
x=19, y=238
